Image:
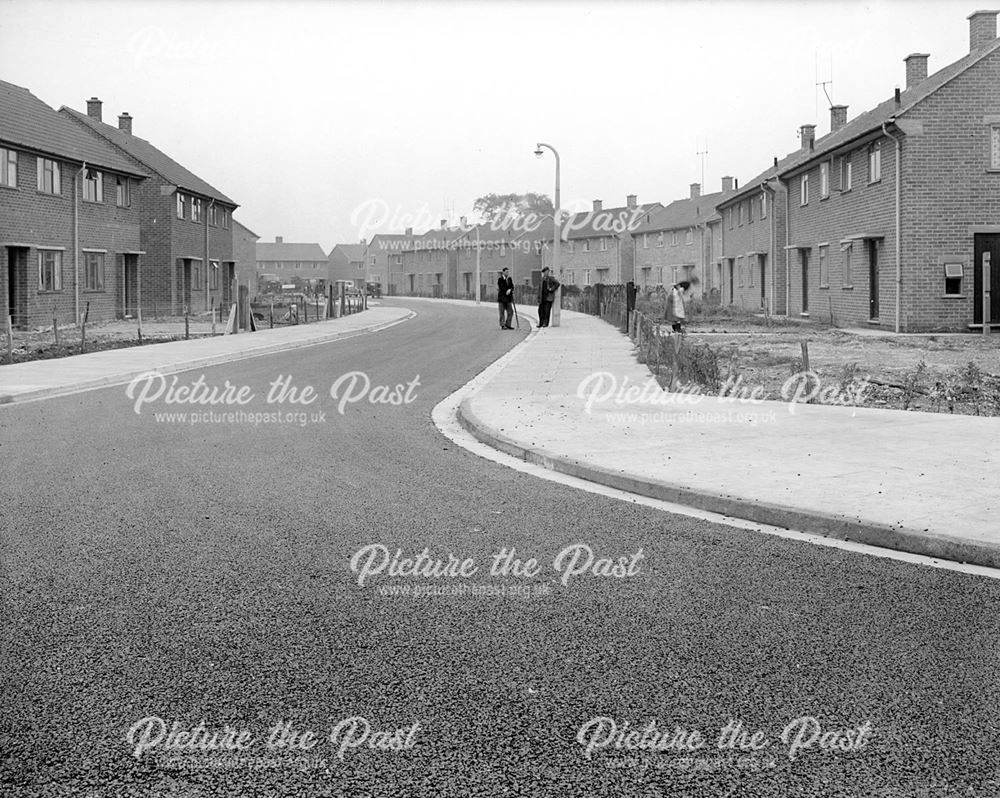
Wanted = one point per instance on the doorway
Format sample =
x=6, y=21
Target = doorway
x=763, y=283
x=873, y=279
x=804, y=254
x=17, y=286
x=986, y=243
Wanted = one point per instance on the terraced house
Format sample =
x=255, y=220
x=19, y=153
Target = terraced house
x=429, y=264
x=302, y=264
x=69, y=225
x=673, y=243
x=599, y=245
x=186, y=223
x=894, y=216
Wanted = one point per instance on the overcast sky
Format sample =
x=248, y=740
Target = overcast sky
x=317, y=117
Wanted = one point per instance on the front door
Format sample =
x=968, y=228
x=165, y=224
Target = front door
x=17, y=286
x=732, y=280
x=872, y=279
x=986, y=242
x=763, y=283
x=805, y=279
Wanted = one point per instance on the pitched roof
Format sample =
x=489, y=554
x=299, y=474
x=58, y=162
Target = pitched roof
x=149, y=156
x=28, y=122
x=352, y=253
x=271, y=250
x=435, y=239
x=682, y=213
x=245, y=228
x=534, y=228
x=887, y=110
x=606, y=221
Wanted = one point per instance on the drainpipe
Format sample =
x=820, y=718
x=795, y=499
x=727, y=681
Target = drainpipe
x=788, y=266
x=899, y=178
x=770, y=193
x=208, y=264
x=76, y=242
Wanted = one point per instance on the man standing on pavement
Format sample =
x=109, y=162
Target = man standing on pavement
x=546, y=295
x=505, y=298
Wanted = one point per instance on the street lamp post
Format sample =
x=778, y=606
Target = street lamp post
x=555, y=317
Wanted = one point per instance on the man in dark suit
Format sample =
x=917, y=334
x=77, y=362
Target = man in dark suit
x=505, y=298
x=546, y=295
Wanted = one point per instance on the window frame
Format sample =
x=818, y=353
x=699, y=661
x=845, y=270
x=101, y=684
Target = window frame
x=824, y=180
x=804, y=190
x=49, y=167
x=123, y=192
x=846, y=174
x=8, y=167
x=93, y=186
x=197, y=210
x=955, y=279
x=56, y=270
x=95, y=261
x=823, y=258
x=995, y=147
x=875, y=162
x=180, y=212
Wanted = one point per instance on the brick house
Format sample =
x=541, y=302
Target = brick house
x=519, y=246
x=671, y=243
x=599, y=246
x=347, y=262
x=429, y=264
x=186, y=224
x=69, y=225
x=304, y=264
x=749, y=270
x=245, y=256
x=384, y=255
x=891, y=215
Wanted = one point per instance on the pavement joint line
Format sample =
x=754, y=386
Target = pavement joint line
x=879, y=536
x=176, y=367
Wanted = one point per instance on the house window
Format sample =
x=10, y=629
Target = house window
x=673, y=238
x=824, y=179
x=750, y=271
x=848, y=251
x=846, y=174
x=804, y=190
x=604, y=244
x=763, y=205
x=49, y=270
x=739, y=271
x=741, y=214
x=572, y=246
x=730, y=217
x=8, y=168
x=824, y=267
x=93, y=186
x=659, y=275
x=195, y=209
x=48, y=176
x=659, y=239
x=93, y=271
x=586, y=276
x=180, y=205
x=953, y=279
x=586, y=245
x=197, y=278
x=689, y=237
x=213, y=216
x=875, y=162
x=645, y=241
x=213, y=275
x=503, y=252
x=750, y=211
x=995, y=147
x=123, y=192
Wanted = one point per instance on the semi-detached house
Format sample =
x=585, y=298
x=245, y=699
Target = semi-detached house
x=70, y=240
x=894, y=216
x=186, y=223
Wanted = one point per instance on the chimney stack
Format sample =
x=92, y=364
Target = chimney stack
x=916, y=68
x=727, y=183
x=838, y=117
x=982, y=28
x=775, y=161
x=94, y=108
x=279, y=240
x=125, y=123
x=409, y=231
x=897, y=97
x=808, y=133
x=461, y=219
x=695, y=190
x=598, y=206
x=444, y=224
x=630, y=201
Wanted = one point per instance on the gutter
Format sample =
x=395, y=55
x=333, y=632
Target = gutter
x=899, y=178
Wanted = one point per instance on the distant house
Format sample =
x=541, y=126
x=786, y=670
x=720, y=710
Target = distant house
x=245, y=256
x=304, y=265
x=429, y=266
x=347, y=262
x=599, y=246
x=672, y=243
x=518, y=246
x=894, y=216
x=186, y=223
x=70, y=234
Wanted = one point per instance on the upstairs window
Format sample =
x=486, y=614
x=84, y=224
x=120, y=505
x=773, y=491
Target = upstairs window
x=93, y=186
x=659, y=239
x=741, y=214
x=763, y=205
x=689, y=237
x=673, y=238
x=180, y=205
x=875, y=162
x=824, y=179
x=995, y=147
x=846, y=173
x=195, y=209
x=8, y=168
x=604, y=244
x=750, y=211
x=586, y=245
x=49, y=179
x=804, y=190
x=123, y=192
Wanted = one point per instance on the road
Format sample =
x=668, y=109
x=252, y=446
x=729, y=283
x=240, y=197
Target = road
x=158, y=572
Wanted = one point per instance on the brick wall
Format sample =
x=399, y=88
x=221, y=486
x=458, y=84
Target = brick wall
x=743, y=247
x=614, y=260
x=45, y=220
x=668, y=263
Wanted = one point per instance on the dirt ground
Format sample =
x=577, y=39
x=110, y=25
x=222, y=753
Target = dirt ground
x=916, y=372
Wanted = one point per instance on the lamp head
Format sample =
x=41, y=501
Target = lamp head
x=538, y=152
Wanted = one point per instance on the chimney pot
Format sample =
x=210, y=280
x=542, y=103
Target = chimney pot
x=982, y=28
x=631, y=201
x=695, y=190
x=775, y=161
x=808, y=133
x=125, y=123
x=727, y=183
x=279, y=240
x=916, y=68
x=444, y=224
x=409, y=231
x=462, y=220
x=94, y=108
x=838, y=117
x=598, y=205
x=898, y=101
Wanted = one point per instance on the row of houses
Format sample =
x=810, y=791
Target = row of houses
x=891, y=219
x=96, y=219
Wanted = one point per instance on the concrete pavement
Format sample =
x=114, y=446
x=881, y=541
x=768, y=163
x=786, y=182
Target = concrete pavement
x=40, y=379
x=919, y=482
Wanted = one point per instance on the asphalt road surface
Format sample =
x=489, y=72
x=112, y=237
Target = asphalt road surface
x=180, y=616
